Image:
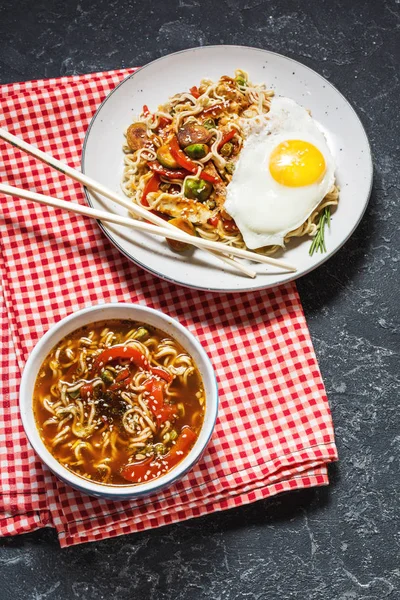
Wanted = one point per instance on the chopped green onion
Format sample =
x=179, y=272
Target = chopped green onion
x=107, y=376
x=209, y=124
x=240, y=82
x=173, y=434
x=140, y=333
x=160, y=449
x=226, y=149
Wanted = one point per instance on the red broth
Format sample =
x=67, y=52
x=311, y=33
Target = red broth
x=119, y=402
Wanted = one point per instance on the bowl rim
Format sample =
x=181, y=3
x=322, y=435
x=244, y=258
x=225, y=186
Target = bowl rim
x=96, y=488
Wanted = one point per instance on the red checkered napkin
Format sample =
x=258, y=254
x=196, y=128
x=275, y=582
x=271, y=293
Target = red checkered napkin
x=274, y=430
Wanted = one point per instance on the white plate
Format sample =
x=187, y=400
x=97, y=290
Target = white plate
x=102, y=158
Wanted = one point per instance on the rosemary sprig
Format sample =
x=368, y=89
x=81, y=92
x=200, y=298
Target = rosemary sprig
x=318, y=243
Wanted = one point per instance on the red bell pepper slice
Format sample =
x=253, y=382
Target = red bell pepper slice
x=169, y=173
x=122, y=375
x=195, y=91
x=213, y=221
x=86, y=389
x=209, y=177
x=213, y=110
x=124, y=352
x=133, y=355
x=150, y=468
x=122, y=380
x=120, y=385
x=185, y=162
x=163, y=122
x=160, y=372
x=229, y=225
x=146, y=111
x=151, y=186
x=226, y=138
x=162, y=412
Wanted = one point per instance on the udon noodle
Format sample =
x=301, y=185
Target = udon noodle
x=119, y=402
x=213, y=119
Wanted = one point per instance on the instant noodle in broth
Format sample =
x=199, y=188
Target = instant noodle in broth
x=119, y=402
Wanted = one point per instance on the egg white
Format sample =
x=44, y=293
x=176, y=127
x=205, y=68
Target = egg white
x=264, y=210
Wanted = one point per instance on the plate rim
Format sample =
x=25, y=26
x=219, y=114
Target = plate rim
x=291, y=276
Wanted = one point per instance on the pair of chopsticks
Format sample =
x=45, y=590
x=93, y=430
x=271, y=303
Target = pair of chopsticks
x=157, y=226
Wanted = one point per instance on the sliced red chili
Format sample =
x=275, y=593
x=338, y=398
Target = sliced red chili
x=151, y=468
x=151, y=186
x=226, y=138
x=146, y=111
x=184, y=161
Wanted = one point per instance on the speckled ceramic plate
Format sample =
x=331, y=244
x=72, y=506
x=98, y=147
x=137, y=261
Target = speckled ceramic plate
x=102, y=158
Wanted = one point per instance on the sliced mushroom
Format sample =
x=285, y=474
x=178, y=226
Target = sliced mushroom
x=136, y=136
x=192, y=133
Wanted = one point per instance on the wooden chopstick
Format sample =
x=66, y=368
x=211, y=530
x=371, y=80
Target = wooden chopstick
x=175, y=233
x=142, y=212
x=93, y=185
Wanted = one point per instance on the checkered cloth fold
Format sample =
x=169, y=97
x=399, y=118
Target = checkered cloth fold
x=274, y=431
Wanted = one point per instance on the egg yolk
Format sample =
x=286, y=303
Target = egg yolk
x=295, y=163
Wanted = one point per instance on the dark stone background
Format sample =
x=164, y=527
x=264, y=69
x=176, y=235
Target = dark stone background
x=336, y=543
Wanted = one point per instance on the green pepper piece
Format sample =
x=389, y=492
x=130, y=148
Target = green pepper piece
x=230, y=167
x=196, y=151
x=197, y=189
x=209, y=124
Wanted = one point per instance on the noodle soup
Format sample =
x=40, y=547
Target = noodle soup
x=118, y=402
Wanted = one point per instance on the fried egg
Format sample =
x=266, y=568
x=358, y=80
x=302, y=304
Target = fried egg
x=285, y=169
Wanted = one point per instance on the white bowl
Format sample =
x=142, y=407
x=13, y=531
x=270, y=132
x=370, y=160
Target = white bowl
x=104, y=312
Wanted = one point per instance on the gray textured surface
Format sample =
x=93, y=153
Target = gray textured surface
x=336, y=543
